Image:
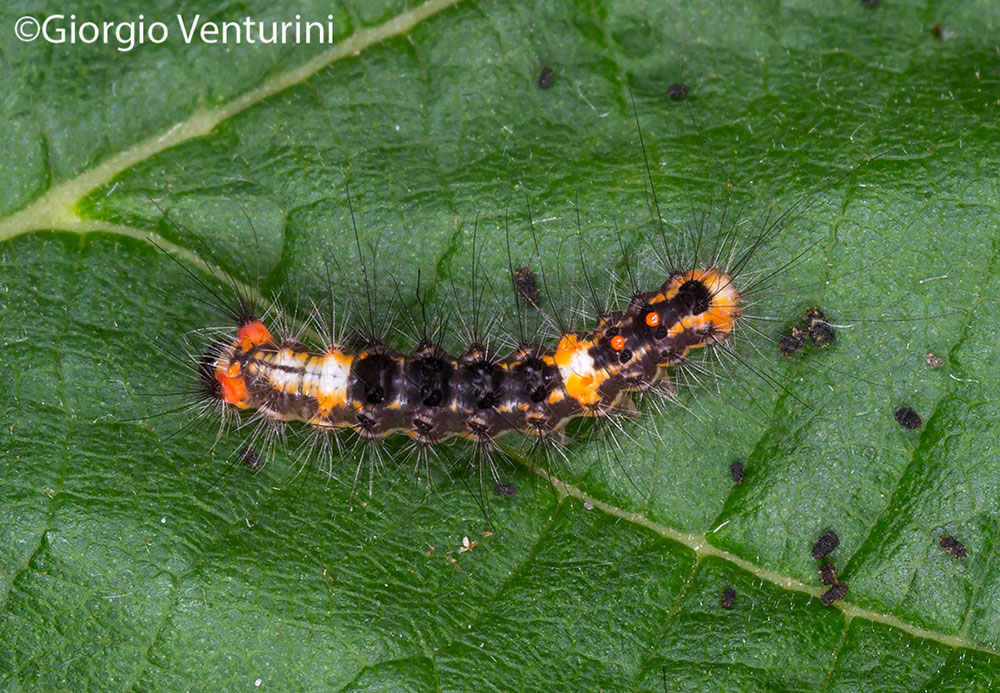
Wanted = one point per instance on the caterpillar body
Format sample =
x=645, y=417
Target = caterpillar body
x=366, y=390
x=431, y=396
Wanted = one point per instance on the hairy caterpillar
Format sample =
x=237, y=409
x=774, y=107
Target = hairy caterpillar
x=364, y=389
x=430, y=395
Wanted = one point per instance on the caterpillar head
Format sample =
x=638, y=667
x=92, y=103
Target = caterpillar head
x=708, y=303
x=223, y=365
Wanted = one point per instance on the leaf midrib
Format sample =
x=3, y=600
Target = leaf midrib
x=698, y=543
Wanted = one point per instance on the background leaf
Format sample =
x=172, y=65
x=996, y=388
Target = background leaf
x=133, y=558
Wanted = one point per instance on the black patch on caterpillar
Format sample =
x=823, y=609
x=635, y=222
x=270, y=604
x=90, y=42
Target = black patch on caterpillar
x=480, y=387
x=427, y=377
x=481, y=384
x=693, y=298
x=545, y=77
x=533, y=379
x=952, y=546
x=907, y=418
x=825, y=544
x=827, y=574
x=728, y=598
x=736, y=470
x=837, y=592
x=375, y=377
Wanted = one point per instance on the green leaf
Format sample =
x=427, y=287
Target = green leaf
x=136, y=554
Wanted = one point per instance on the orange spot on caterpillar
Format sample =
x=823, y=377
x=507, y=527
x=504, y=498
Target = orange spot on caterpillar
x=652, y=319
x=618, y=343
x=568, y=346
x=583, y=388
x=579, y=376
x=253, y=334
x=234, y=390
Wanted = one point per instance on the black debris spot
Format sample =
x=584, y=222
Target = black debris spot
x=938, y=31
x=835, y=593
x=870, y=4
x=793, y=341
x=736, y=469
x=907, y=418
x=524, y=279
x=249, y=457
x=817, y=329
x=678, y=92
x=822, y=334
x=933, y=361
x=820, y=331
x=827, y=574
x=728, y=598
x=827, y=542
x=545, y=77
x=505, y=490
x=952, y=546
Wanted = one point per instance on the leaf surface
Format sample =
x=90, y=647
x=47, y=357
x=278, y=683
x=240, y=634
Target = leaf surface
x=135, y=554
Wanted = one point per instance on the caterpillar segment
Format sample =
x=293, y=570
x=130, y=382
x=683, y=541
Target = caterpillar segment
x=431, y=395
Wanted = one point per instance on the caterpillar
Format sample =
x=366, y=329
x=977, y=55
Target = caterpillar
x=264, y=376
x=431, y=395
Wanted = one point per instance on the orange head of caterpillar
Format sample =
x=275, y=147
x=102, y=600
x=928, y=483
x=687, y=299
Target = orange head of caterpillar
x=221, y=370
x=708, y=303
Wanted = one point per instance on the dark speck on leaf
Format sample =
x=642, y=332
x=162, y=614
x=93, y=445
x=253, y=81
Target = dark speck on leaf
x=835, y=593
x=870, y=3
x=952, y=546
x=678, y=92
x=793, y=341
x=506, y=490
x=524, y=280
x=249, y=457
x=820, y=331
x=907, y=418
x=545, y=77
x=827, y=574
x=736, y=469
x=728, y=598
x=825, y=544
